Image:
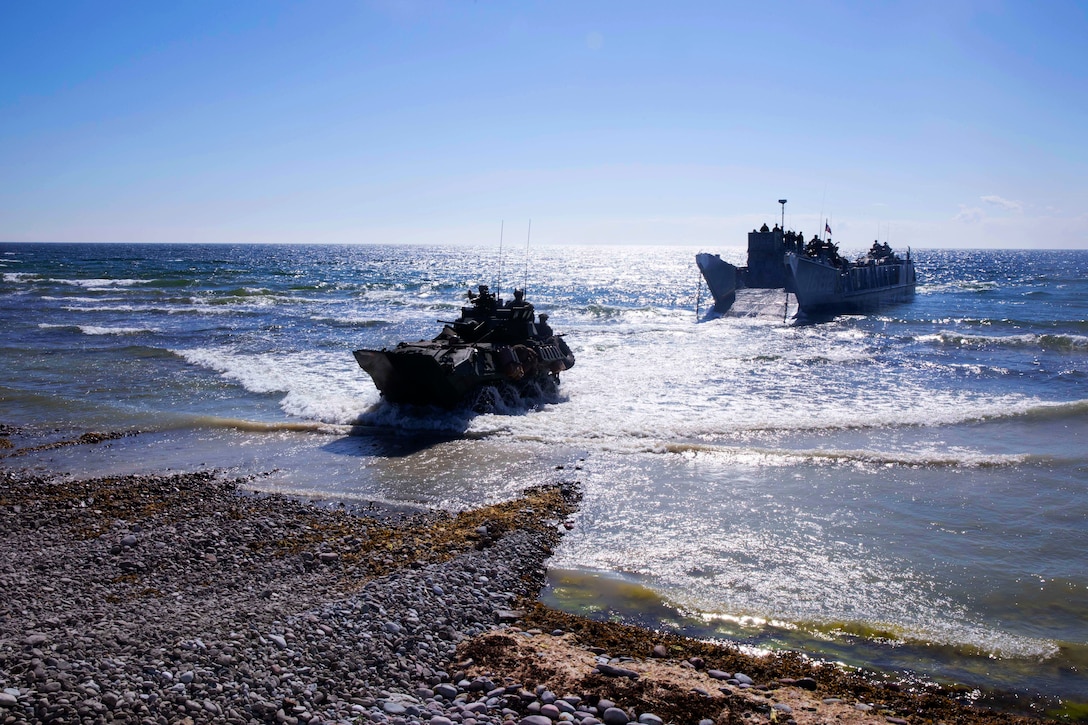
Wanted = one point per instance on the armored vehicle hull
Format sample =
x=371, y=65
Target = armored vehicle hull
x=490, y=354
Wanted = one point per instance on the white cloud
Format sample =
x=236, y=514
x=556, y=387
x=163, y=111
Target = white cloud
x=970, y=214
x=994, y=200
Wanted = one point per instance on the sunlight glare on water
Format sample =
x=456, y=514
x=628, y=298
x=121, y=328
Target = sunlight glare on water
x=902, y=489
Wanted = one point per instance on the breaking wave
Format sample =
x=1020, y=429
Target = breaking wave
x=1047, y=341
x=100, y=330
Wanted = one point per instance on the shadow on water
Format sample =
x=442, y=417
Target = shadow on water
x=807, y=319
x=368, y=441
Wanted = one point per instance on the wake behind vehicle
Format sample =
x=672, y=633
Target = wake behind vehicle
x=492, y=353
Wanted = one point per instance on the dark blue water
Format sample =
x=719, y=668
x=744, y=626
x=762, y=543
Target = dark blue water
x=902, y=490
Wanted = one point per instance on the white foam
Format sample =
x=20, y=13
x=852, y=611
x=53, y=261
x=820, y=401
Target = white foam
x=924, y=455
x=172, y=310
x=959, y=285
x=1024, y=340
x=20, y=277
x=646, y=385
x=323, y=387
x=99, y=283
x=100, y=330
x=82, y=300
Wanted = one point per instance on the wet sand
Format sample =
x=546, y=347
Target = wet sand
x=189, y=598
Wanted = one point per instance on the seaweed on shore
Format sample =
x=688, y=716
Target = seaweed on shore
x=921, y=702
x=91, y=438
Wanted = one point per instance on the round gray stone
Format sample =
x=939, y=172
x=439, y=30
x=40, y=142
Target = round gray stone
x=615, y=716
x=445, y=690
x=530, y=720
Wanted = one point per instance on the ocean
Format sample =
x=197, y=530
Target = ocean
x=903, y=491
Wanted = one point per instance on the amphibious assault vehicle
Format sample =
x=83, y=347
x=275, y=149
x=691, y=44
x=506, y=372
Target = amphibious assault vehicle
x=493, y=354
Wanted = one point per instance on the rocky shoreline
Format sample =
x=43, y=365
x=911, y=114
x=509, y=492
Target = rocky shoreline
x=184, y=599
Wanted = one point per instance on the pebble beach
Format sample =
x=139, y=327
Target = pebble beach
x=191, y=598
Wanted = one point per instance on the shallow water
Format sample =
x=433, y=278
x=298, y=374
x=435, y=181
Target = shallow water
x=902, y=490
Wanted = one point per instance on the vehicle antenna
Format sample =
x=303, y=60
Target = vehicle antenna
x=822, y=202
x=525, y=283
x=498, y=285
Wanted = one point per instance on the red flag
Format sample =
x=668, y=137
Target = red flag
x=827, y=228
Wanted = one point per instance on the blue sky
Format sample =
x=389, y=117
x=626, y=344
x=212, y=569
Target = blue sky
x=930, y=124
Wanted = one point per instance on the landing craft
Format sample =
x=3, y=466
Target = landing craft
x=825, y=283
x=491, y=354
x=821, y=280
